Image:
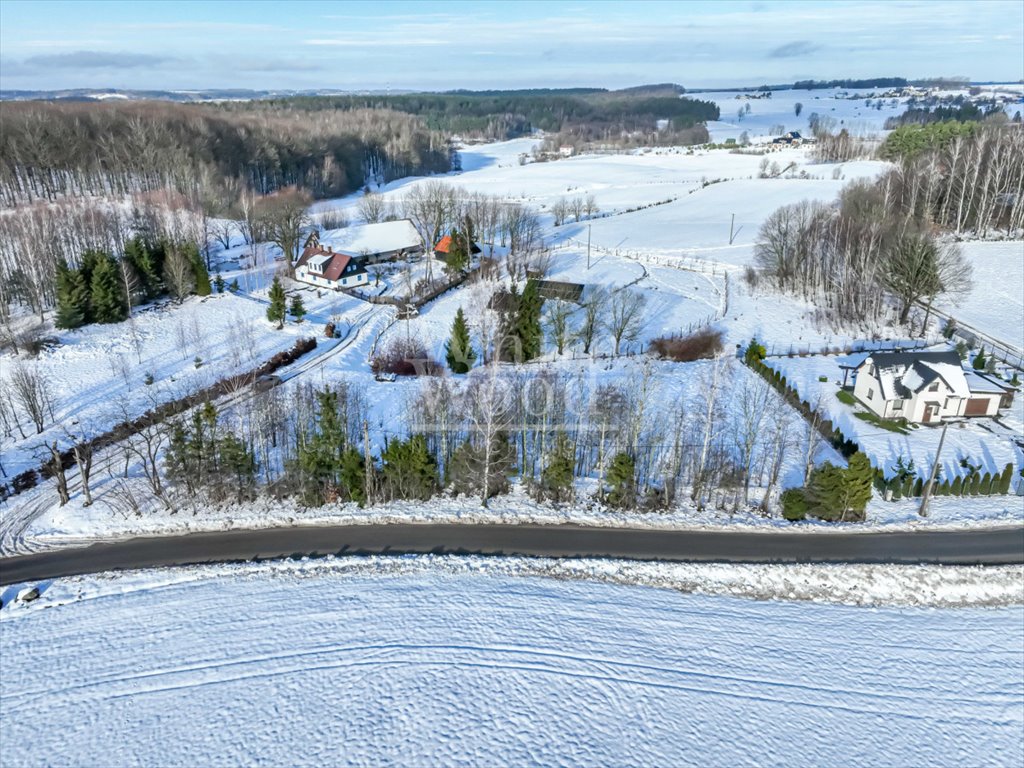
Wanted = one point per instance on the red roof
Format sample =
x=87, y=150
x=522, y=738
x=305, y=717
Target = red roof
x=333, y=269
x=445, y=243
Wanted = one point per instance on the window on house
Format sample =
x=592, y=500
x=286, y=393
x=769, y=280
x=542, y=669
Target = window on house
x=934, y=387
x=871, y=394
x=897, y=405
x=344, y=281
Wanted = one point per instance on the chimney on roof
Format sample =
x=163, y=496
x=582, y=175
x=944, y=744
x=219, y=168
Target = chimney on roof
x=330, y=249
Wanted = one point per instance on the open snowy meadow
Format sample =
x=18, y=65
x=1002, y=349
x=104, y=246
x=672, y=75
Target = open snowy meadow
x=416, y=661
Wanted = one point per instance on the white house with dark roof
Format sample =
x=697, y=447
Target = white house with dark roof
x=927, y=387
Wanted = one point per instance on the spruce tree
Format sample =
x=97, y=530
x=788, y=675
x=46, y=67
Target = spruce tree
x=105, y=293
x=148, y=264
x=979, y=360
x=218, y=283
x=858, y=483
x=297, y=309
x=352, y=475
x=410, y=471
x=556, y=478
x=527, y=326
x=72, y=297
x=276, y=310
x=621, y=479
x=459, y=352
x=457, y=258
x=200, y=273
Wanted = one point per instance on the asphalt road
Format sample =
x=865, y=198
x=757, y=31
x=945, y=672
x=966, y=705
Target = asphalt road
x=991, y=546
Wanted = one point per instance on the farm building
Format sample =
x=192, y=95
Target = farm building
x=372, y=243
x=927, y=387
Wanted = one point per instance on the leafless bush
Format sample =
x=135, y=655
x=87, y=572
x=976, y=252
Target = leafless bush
x=32, y=392
x=405, y=357
x=701, y=345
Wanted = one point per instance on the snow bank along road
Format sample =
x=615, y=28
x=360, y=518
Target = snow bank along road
x=993, y=546
x=264, y=665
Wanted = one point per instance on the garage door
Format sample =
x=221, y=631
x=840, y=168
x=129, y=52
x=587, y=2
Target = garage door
x=977, y=406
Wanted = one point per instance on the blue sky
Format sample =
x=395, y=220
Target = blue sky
x=434, y=45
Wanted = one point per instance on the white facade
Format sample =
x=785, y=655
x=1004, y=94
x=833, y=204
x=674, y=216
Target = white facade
x=925, y=390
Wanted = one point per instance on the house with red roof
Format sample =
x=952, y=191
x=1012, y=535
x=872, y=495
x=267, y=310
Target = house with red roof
x=445, y=244
x=324, y=267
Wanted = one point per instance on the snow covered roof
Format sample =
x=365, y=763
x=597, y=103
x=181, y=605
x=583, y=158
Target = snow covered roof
x=371, y=239
x=900, y=374
x=979, y=382
x=316, y=262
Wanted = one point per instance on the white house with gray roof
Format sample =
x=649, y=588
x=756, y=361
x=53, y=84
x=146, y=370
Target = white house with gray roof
x=927, y=387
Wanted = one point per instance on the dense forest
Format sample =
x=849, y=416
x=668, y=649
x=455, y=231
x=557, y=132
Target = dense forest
x=876, y=82
x=54, y=150
x=501, y=115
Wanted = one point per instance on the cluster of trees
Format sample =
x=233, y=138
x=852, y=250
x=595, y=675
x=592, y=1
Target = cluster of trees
x=204, y=457
x=854, y=258
x=51, y=150
x=832, y=493
x=579, y=208
x=961, y=177
x=101, y=288
x=497, y=115
x=875, y=82
x=477, y=434
x=965, y=111
x=881, y=242
x=505, y=324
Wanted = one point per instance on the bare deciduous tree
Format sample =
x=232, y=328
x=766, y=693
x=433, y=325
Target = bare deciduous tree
x=625, y=316
x=33, y=393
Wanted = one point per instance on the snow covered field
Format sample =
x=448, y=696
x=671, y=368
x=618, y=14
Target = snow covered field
x=996, y=304
x=461, y=662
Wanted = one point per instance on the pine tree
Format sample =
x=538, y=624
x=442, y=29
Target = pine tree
x=297, y=309
x=410, y=471
x=105, y=293
x=621, y=479
x=72, y=297
x=275, y=312
x=827, y=492
x=218, y=283
x=858, y=483
x=457, y=258
x=148, y=264
x=352, y=475
x=201, y=276
x=527, y=326
x=979, y=360
x=557, y=477
x=459, y=352
x=234, y=460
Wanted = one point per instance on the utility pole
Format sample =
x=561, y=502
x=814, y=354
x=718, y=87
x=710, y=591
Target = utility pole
x=926, y=496
x=367, y=463
x=588, y=246
x=732, y=223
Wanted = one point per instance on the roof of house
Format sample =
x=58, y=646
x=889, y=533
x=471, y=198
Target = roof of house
x=555, y=289
x=370, y=239
x=446, y=242
x=983, y=383
x=327, y=262
x=901, y=374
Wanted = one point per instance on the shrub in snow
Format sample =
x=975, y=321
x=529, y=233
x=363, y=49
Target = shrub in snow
x=794, y=504
x=704, y=344
x=404, y=357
